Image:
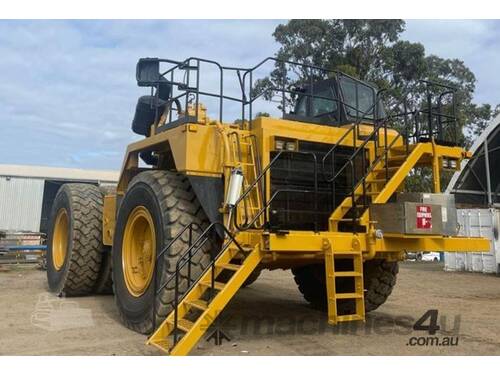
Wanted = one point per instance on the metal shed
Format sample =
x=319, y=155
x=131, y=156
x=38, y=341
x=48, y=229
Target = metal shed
x=477, y=194
x=27, y=192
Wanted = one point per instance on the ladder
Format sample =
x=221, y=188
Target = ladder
x=244, y=154
x=383, y=178
x=344, y=305
x=202, y=303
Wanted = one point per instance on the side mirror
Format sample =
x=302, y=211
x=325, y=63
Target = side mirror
x=148, y=71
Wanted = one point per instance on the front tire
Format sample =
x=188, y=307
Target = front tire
x=379, y=278
x=157, y=205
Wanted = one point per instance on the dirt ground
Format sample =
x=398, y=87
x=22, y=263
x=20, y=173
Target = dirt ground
x=267, y=318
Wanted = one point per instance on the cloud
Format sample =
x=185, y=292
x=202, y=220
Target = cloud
x=476, y=42
x=68, y=91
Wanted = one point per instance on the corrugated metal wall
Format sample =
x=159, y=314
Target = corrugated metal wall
x=20, y=203
x=477, y=222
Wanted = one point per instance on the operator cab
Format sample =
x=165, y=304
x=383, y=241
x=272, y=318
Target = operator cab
x=336, y=102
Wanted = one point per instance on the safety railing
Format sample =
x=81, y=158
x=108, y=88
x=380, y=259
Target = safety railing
x=410, y=133
x=188, y=89
x=186, y=260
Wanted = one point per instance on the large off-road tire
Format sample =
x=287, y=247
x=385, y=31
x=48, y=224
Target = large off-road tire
x=74, y=242
x=104, y=284
x=156, y=206
x=379, y=278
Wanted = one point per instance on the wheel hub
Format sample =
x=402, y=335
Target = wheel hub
x=138, y=251
x=60, y=239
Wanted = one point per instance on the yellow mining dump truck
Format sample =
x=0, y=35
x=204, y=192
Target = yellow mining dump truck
x=204, y=204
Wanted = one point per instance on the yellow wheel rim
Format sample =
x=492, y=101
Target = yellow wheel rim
x=139, y=251
x=60, y=240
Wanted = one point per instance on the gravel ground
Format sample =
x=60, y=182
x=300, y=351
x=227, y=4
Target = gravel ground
x=267, y=318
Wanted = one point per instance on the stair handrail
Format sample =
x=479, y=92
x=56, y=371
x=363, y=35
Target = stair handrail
x=353, y=128
x=186, y=258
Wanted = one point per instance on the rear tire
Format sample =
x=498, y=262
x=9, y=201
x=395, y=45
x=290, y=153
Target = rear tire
x=75, y=247
x=104, y=283
x=379, y=278
x=171, y=204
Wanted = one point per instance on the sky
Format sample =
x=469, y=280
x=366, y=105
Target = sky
x=68, y=89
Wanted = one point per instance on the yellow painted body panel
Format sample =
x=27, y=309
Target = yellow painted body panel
x=109, y=219
x=304, y=242
x=201, y=149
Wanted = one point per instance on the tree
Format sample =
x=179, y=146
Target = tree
x=372, y=50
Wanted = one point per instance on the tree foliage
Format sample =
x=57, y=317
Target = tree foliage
x=373, y=51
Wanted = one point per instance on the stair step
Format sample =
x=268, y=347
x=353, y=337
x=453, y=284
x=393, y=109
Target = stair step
x=229, y=266
x=360, y=194
x=349, y=206
x=398, y=157
x=217, y=285
x=164, y=345
x=349, y=318
x=185, y=325
x=391, y=168
x=198, y=304
x=376, y=180
x=348, y=296
x=348, y=274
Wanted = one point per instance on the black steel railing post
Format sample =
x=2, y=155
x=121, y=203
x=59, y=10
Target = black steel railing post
x=190, y=241
x=455, y=118
x=386, y=152
x=429, y=108
x=176, y=303
x=353, y=198
x=250, y=94
x=221, y=104
x=334, y=198
x=315, y=192
x=363, y=161
x=197, y=101
x=405, y=124
x=212, y=276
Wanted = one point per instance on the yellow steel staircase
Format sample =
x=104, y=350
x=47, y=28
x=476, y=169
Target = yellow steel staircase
x=200, y=306
x=383, y=178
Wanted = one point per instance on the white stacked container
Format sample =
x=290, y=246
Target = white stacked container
x=477, y=223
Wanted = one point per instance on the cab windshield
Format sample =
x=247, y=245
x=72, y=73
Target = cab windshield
x=359, y=99
x=338, y=102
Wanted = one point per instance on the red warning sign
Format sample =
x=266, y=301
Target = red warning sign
x=424, y=217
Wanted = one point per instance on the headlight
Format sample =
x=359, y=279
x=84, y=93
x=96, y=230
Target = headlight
x=449, y=163
x=291, y=146
x=279, y=145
